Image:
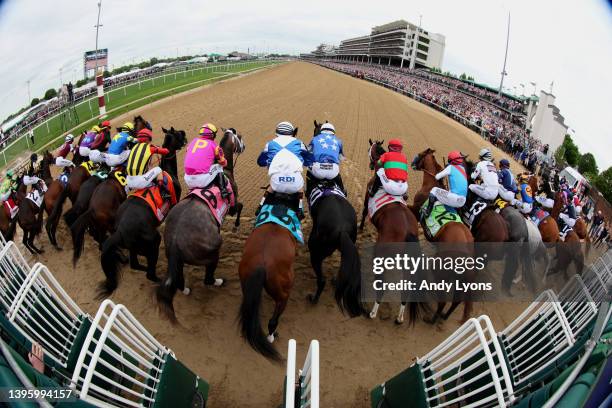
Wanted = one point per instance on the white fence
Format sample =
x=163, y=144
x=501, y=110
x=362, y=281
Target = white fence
x=305, y=392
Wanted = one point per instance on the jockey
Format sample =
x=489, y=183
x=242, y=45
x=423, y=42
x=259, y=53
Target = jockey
x=29, y=178
x=284, y=156
x=392, y=172
x=568, y=212
x=138, y=173
x=457, y=183
x=103, y=136
x=119, y=149
x=87, y=140
x=507, y=184
x=326, y=149
x=487, y=173
x=525, y=204
x=204, y=161
x=63, y=151
x=8, y=185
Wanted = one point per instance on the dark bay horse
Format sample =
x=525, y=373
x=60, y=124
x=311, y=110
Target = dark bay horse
x=8, y=225
x=192, y=235
x=569, y=250
x=267, y=263
x=548, y=226
x=136, y=226
x=55, y=189
x=451, y=233
x=30, y=216
x=100, y=216
x=334, y=227
x=394, y=223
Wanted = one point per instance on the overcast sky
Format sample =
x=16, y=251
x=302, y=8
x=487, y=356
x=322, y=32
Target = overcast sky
x=568, y=42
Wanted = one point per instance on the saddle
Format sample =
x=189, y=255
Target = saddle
x=10, y=207
x=279, y=212
x=500, y=204
x=381, y=199
x=211, y=196
x=324, y=188
x=64, y=177
x=440, y=216
x=153, y=197
x=291, y=201
x=37, y=195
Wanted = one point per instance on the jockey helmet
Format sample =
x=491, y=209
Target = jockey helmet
x=144, y=134
x=208, y=131
x=34, y=157
x=455, y=157
x=96, y=129
x=329, y=127
x=127, y=126
x=69, y=138
x=395, y=145
x=105, y=125
x=485, y=154
x=10, y=174
x=504, y=163
x=523, y=177
x=284, y=129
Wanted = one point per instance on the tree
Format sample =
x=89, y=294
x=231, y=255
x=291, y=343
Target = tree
x=571, y=153
x=153, y=61
x=35, y=102
x=603, y=182
x=106, y=74
x=587, y=164
x=463, y=76
x=51, y=93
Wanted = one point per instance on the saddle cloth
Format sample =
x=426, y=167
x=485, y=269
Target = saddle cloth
x=153, y=197
x=538, y=216
x=381, y=199
x=500, y=204
x=217, y=204
x=90, y=166
x=281, y=215
x=63, y=178
x=440, y=216
x=469, y=215
x=323, y=191
x=11, y=208
x=36, y=196
x=564, y=230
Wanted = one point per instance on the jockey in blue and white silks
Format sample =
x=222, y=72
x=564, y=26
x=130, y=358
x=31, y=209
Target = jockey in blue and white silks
x=285, y=156
x=507, y=185
x=326, y=150
x=525, y=205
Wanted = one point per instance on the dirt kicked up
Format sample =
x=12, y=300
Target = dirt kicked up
x=356, y=354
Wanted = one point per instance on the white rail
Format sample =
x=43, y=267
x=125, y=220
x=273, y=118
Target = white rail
x=290, y=376
x=14, y=271
x=307, y=391
x=577, y=305
x=120, y=363
x=467, y=365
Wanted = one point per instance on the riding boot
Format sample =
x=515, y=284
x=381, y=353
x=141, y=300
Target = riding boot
x=430, y=206
x=165, y=193
x=221, y=181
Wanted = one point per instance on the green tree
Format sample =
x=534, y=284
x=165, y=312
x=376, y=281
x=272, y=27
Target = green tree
x=571, y=153
x=603, y=182
x=587, y=164
x=81, y=82
x=463, y=76
x=106, y=74
x=153, y=61
x=51, y=93
x=35, y=102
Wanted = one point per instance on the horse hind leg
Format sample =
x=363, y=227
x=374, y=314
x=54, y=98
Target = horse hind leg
x=238, y=210
x=400, y=315
x=209, y=276
x=438, y=313
x=273, y=323
x=26, y=241
x=135, y=263
x=317, y=264
x=152, y=257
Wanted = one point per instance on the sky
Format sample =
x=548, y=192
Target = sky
x=566, y=42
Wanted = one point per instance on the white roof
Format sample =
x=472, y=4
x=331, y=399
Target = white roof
x=574, y=173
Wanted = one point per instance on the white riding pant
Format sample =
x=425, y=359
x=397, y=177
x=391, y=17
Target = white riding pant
x=84, y=151
x=567, y=220
x=325, y=171
x=61, y=162
x=28, y=181
x=114, y=160
x=578, y=209
x=545, y=202
x=524, y=208
x=289, y=183
x=392, y=187
x=507, y=195
x=5, y=196
x=143, y=180
x=448, y=198
x=484, y=191
x=97, y=156
x=204, y=179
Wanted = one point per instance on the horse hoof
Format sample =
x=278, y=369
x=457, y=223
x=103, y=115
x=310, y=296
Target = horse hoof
x=186, y=291
x=430, y=320
x=271, y=338
x=399, y=321
x=372, y=315
x=312, y=299
x=217, y=283
x=153, y=278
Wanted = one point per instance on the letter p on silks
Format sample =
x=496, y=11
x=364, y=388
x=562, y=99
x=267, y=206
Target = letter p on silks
x=199, y=144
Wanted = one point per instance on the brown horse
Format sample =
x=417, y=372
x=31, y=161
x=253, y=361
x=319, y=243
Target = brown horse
x=30, y=216
x=55, y=188
x=394, y=223
x=232, y=144
x=8, y=225
x=267, y=263
x=548, y=226
x=451, y=233
x=100, y=216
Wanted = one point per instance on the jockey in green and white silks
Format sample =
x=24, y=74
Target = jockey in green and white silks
x=9, y=184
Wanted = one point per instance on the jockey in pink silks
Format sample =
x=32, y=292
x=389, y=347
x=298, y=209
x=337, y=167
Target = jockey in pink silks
x=204, y=161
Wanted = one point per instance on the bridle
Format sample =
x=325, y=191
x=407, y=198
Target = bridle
x=239, y=146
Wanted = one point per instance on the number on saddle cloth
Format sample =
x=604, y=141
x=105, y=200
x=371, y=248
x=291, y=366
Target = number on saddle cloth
x=439, y=217
x=477, y=207
x=120, y=177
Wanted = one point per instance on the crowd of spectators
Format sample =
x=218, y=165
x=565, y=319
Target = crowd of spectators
x=503, y=128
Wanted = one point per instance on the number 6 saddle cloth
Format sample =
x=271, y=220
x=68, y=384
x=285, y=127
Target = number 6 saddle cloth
x=439, y=217
x=282, y=215
x=211, y=196
x=153, y=197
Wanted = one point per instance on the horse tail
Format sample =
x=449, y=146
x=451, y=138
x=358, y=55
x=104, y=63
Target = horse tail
x=39, y=220
x=110, y=266
x=167, y=289
x=77, y=229
x=58, y=207
x=250, y=325
x=72, y=214
x=348, y=285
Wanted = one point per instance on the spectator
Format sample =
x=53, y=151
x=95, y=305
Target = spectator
x=597, y=221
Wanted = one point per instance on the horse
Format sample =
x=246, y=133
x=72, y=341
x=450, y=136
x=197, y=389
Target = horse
x=30, y=216
x=140, y=123
x=451, y=232
x=334, y=227
x=136, y=225
x=549, y=230
x=100, y=215
x=267, y=263
x=394, y=223
x=192, y=235
x=55, y=188
x=8, y=225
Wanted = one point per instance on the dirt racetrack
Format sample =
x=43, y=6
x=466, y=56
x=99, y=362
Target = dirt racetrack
x=356, y=354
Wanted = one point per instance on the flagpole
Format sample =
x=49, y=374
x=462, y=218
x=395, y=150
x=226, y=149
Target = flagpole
x=504, y=73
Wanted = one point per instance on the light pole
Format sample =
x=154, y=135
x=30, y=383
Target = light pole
x=97, y=26
x=534, y=88
x=29, y=96
x=522, y=89
x=504, y=73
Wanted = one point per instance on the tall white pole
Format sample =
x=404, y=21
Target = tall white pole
x=29, y=96
x=504, y=73
x=98, y=25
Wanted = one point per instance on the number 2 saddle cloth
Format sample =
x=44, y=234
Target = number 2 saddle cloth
x=439, y=217
x=153, y=197
x=211, y=196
